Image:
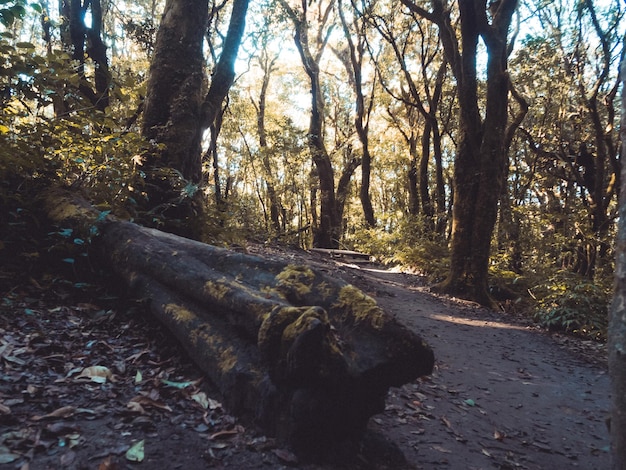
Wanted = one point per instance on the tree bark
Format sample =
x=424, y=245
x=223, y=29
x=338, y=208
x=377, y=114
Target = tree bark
x=267, y=64
x=178, y=108
x=173, y=105
x=353, y=63
x=327, y=233
x=617, y=318
x=82, y=42
x=307, y=357
x=480, y=165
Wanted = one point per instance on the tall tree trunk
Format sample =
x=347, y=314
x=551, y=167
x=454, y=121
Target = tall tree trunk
x=617, y=317
x=173, y=105
x=427, y=205
x=353, y=63
x=481, y=162
x=177, y=111
x=328, y=230
x=84, y=42
x=413, y=177
x=267, y=65
x=343, y=186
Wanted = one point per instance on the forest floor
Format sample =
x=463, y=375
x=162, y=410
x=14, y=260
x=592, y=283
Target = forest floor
x=90, y=381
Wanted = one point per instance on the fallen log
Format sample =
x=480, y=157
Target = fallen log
x=307, y=357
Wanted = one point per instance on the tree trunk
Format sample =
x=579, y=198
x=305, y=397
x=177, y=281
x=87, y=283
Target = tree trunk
x=328, y=230
x=173, y=105
x=82, y=42
x=480, y=165
x=353, y=63
x=306, y=356
x=267, y=65
x=177, y=111
x=413, y=177
x=617, y=318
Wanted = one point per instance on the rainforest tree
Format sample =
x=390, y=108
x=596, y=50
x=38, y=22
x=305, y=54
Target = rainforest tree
x=178, y=108
x=480, y=165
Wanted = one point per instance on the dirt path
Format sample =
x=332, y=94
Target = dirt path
x=503, y=395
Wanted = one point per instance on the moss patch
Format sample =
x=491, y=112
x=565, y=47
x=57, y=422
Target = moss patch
x=179, y=314
x=217, y=290
x=294, y=282
x=360, y=307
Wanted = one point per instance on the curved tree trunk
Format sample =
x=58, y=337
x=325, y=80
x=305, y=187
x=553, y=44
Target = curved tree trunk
x=480, y=166
x=173, y=105
x=178, y=108
x=327, y=233
x=353, y=63
x=84, y=42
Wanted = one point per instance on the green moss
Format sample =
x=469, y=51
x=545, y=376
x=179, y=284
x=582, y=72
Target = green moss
x=309, y=319
x=217, y=290
x=294, y=281
x=272, y=328
x=360, y=307
x=228, y=359
x=179, y=313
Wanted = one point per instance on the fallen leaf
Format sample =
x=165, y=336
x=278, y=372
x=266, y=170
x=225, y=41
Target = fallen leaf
x=486, y=452
x=498, y=436
x=442, y=449
x=138, y=377
x=136, y=452
x=98, y=374
x=6, y=456
x=135, y=407
x=226, y=434
x=60, y=428
x=201, y=399
x=469, y=402
x=4, y=410
x=145, y=401
x=445, y=421
x=63, y=412
x=135, y=357
x=214, y=404
x=180, y=385
x=108, y=464
x=285, y=456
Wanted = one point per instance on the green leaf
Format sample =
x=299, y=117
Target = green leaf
x=469, y=402
x=66, y=232
x=136, y=452
x=69, y=260
x=6, y=17
x=102, y=215
x=177, y=384
x=25, y=45
x=6, y=456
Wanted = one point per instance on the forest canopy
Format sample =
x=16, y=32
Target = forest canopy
x=478, y=145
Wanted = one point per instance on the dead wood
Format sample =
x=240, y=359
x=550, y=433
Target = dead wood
x=307, y=357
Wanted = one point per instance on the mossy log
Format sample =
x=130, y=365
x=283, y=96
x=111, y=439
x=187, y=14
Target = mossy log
x=308, y=357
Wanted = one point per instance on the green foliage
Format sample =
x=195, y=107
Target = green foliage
x=411, y=244
x=11, y=11
x=49, y=132
x=570, y=303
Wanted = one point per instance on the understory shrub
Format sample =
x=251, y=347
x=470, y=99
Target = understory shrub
x=570, y=303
